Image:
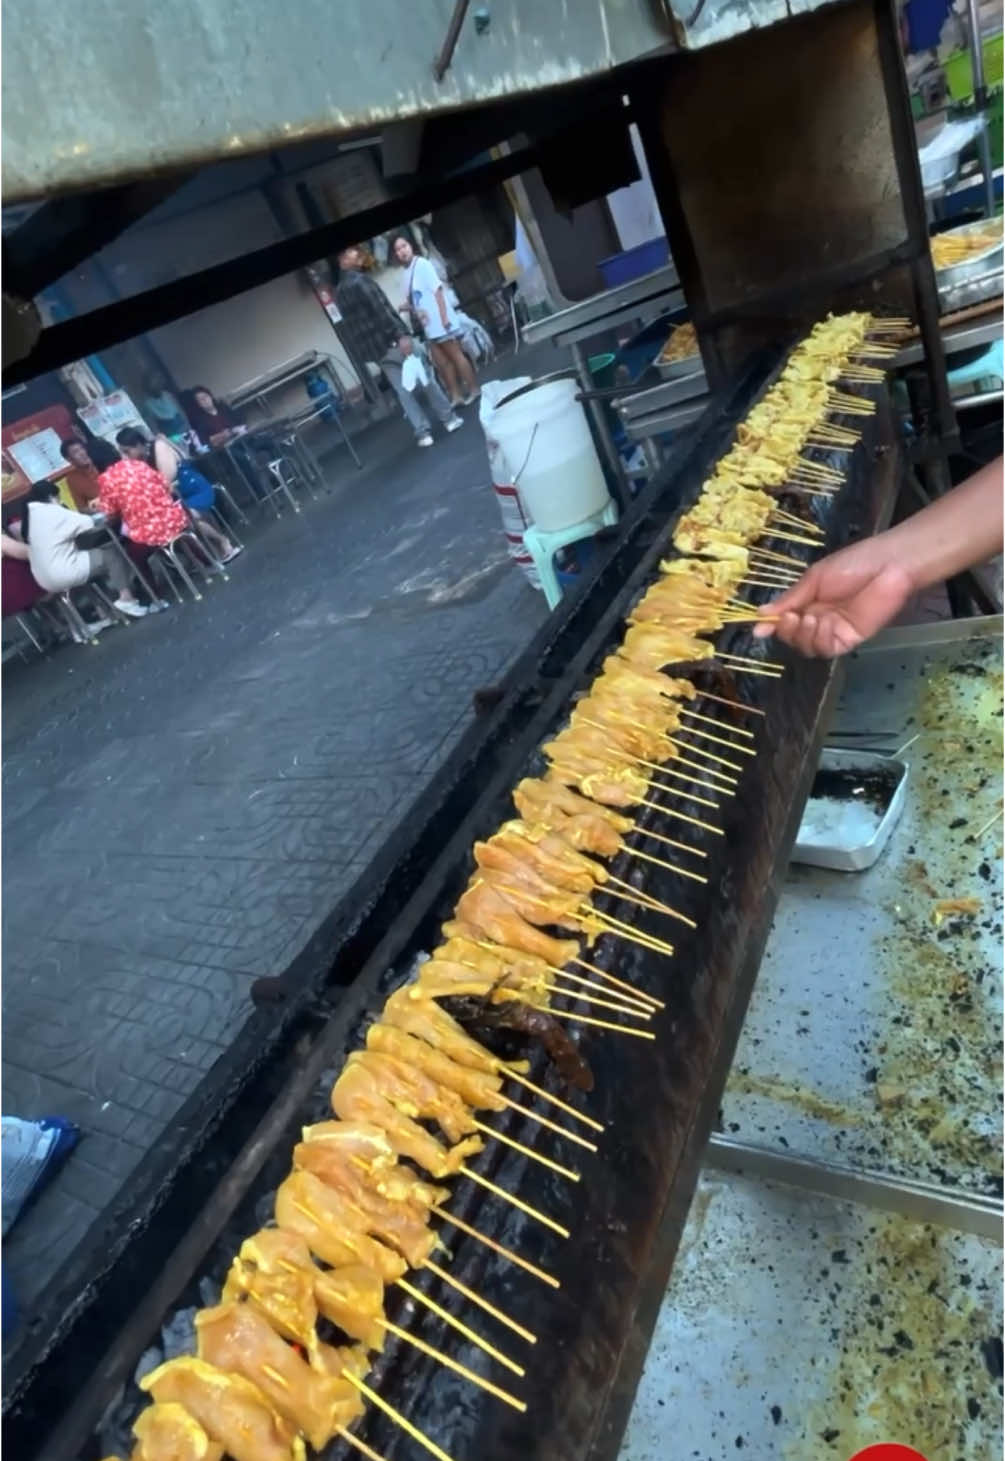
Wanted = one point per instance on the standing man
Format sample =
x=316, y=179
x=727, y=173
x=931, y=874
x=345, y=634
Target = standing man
x=375, y=333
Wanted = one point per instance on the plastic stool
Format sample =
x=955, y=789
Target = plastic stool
x=543, y=546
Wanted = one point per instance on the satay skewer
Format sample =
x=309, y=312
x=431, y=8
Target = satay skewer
x=475, y=1298
x=513, y=1200
x=621, y=983
x=552, y=1125
x=522, y=1080
x=609, y=924
x=661, y=862
x=451, y=1364
x=668, y=841
x=721, y=740
x=712, y=720
x=621, y=1007
x=361, y=1446
x=681, y=816
x=606, y=1025
x=654, y=903
x=463, y=1329
x=734, y=704
x=395, y=1415
x=525, y=1151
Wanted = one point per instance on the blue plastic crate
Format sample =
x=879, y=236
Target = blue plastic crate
x=634, y=263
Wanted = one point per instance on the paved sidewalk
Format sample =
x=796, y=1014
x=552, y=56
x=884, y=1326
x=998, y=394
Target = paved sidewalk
x=184, y=803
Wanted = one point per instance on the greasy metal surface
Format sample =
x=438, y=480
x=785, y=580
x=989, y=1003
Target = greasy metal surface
x=143, y=87
x=615, y=1214
x=921, y=1202
x=874, y=1037
x=955, y=338
x=796, y=1327
x=700, y=23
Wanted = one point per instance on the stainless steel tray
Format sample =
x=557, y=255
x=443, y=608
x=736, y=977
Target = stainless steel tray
x=986, y=262
x=849, y=833
x=674, y=369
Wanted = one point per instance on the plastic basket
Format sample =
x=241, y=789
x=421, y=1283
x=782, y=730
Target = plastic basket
x=960, y=74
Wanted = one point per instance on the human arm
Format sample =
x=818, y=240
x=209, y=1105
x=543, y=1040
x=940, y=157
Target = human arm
x=849, y=596
x=13, y=548
x=166, y=460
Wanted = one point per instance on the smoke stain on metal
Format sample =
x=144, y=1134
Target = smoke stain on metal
x=742, y=1082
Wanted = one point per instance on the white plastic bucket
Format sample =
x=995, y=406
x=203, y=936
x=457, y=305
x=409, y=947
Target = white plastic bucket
x=513, y=511
x=546, y=441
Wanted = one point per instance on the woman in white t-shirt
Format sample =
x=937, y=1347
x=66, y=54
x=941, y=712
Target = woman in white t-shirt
x=50, y=532
x=427, y=302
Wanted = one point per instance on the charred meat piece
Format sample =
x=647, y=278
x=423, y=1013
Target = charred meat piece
x=488, y=1021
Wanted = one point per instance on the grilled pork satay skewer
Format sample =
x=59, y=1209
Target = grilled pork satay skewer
x=231, y=1410
x=585, y=824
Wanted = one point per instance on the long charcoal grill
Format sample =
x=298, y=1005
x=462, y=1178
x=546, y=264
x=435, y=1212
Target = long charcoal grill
x=658, y=1100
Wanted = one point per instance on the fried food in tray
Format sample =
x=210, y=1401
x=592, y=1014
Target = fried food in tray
x=953, y=248
x=681, y=344
x=365, y=1187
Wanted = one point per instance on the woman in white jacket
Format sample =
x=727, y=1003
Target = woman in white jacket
x=50, y=532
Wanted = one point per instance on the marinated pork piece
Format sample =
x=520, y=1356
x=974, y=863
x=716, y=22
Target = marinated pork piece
x=410, y=1010
x=168, y=1433
x=356, y=1095
x=536, y=1025
x=231, y=1410
x=236, y=1338
x=479, y=1089
x=416, y=1094
x=389, y=1177
x=506, y=918
x=652, y=646
x=335, y=1232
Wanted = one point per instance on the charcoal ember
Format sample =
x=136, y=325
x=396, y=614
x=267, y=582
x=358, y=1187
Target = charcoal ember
x=506, y=1028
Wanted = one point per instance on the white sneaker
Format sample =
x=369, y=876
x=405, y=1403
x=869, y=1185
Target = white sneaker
x=425, y=439
x=453, y=424
x=158, y=606
x=229, y=557
x=470, y=400
x=131, y=608
x=97, y=625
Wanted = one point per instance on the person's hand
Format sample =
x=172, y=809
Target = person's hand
x=405, y=344
x=842, y=600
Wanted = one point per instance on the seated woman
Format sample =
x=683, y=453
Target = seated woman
x=88, y=460
x=212, y=421
x=194, y=490
x=50, y=532
x=137, y=493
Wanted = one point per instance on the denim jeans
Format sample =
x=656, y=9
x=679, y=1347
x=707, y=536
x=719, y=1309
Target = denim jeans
x=391, y=365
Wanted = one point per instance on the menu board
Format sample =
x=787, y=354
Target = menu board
x=38, y=455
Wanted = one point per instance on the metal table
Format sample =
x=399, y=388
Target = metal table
x=846, y=1238
x=642, y=299
x=964, y=336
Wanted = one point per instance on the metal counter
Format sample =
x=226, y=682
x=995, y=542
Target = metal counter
x=799, y=1322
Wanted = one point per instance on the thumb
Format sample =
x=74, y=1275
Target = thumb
x=798, y=597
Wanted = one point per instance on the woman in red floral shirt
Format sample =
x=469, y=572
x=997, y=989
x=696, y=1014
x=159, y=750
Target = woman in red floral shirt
x=137, y=493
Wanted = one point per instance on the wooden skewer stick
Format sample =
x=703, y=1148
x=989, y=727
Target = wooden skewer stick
x=395, y=1415
x=736, y=704
x=722, y=740
x=713, y=720
x=483, y=1303
x=591, y=1146
x=633, y=1011
x=759, y=555
x=469, y=1334
x=526, y=1151
x=989, y=823
x=620, y=983
x=629, y=1003
x=773, y=532
x=654, y=903
x=605, y=1024
x=359, y=1443
x=669, y=841
x=665, y=770
x=670, y=866
x=610, y=924
x=455, y=1365
x=681, y=816
x=688, y=796
x=638, y=900
x=712, y=755
x=513, y=1200
x=522, y=1080
x=647, y=900
x=768, y=664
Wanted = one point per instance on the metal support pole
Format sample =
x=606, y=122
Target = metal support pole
x=981, y=105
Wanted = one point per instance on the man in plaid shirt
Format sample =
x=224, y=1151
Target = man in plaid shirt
x=376, y=333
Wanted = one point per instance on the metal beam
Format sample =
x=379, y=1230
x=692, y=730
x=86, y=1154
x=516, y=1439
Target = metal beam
x=145, y=88
x=100, y=329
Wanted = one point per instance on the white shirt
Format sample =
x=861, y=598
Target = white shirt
x=423, y=283
x=56, y=562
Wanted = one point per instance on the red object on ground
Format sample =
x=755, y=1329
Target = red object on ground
x=888, y=1451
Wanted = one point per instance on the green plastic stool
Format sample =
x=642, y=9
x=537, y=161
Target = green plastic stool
x=543, y=546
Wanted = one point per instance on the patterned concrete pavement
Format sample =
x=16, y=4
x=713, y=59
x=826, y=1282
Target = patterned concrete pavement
x=184, y=803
